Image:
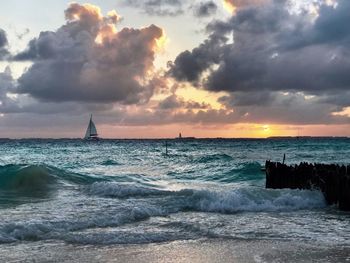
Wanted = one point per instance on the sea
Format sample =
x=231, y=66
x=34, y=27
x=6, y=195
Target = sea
x=83, y=195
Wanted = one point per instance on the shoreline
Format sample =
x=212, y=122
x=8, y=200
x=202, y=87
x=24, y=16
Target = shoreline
x=202, y=250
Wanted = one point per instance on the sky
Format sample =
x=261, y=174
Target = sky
x=155, y=68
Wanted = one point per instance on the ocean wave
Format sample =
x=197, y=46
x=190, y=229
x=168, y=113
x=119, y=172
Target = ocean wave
x=112, y=225
x=112, y=189
x=68, y=229
x=25, y=177
x=213, y=157
x=110, y=163
x=243, y=172
x=228, y=201
x=247, y=171
x=35, y=180
x=260, y=200
x=30, y=179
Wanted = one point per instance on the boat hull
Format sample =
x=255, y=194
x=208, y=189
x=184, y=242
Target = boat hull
x=91, y=138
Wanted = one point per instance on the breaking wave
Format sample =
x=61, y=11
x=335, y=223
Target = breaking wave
x=18, y=180
x=111, y=189
x=236, y=200
x=96, y=228
x=130, y=203
x=26, y=177
x=243, y=200
x=68, y=229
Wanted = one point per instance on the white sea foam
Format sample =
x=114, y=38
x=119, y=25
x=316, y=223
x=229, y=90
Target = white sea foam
x=231, y=202
x=111, y=189
x=227, y=201
x=65, y=229
x=261, y=200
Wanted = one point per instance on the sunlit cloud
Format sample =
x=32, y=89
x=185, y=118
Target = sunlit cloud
x=161, y=42
x=232, y=6
x=345, y=112
x=229, y=6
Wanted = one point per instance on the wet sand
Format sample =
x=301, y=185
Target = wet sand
x=179, y=251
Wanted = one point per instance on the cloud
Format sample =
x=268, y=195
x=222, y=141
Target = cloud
x=158, y=7
x=189, y=65
x=3, y=45
x=3, y=38
x=233, y=6
x=7, y=86
x=261, y=58
x=204, y=9
x=174, y=102
x=275, y=51
x=21, y=35
x=282, y=67
x=88, y=60
x=173, y=7
x=282, y=108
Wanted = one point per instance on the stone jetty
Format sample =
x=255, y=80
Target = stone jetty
x=331, y=179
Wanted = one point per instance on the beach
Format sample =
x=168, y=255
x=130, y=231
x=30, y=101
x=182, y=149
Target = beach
x=178, y=251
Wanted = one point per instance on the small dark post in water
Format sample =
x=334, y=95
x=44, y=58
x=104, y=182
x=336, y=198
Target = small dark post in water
x=284, y=158
x=166, y=147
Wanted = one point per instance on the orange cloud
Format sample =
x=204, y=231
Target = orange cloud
x=104, y=64
x=88, y=13
x=232, y=5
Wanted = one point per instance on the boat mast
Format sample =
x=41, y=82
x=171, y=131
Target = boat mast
x=90, y=125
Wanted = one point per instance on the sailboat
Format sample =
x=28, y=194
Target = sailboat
x=91, y=131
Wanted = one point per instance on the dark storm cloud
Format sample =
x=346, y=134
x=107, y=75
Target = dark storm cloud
x=295, y=108
x=273, y=50
x=282, y=67
x=205, y=9
x=277, y=107
x=23, y=111
x=7, y=103
x=331, y=27
x=3, y=45
x=3, y=38
x=341, y=99
x=158, y=7
x=87, y=60
x=248, y=98
x=189, y=65
x=43, y=47
x=6, y=84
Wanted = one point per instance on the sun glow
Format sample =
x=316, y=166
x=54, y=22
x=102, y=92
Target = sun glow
x=161, y=42
x=228, y=6
x=106, y=32
x=266, y=128
x=201, y=96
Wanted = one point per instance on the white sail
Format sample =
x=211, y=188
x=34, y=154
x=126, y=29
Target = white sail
x=91, y=130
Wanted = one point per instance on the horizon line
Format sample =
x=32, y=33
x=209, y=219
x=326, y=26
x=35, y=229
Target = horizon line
x=182, y=139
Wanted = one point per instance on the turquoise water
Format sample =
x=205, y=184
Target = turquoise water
x=130, y=192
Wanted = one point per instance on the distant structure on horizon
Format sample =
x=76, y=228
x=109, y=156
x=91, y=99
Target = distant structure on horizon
x=184, y=138
x=91, y=131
